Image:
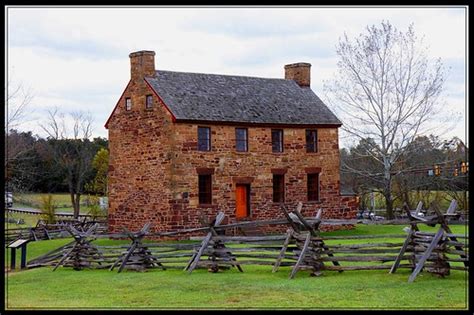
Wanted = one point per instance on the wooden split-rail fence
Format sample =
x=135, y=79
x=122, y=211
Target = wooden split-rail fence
x=301, y=248
x=48, y=231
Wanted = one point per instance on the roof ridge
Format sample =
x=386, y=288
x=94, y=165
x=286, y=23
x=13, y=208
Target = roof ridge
x=224, y=75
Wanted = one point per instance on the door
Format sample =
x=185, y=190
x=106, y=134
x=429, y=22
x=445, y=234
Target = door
x=242, y=201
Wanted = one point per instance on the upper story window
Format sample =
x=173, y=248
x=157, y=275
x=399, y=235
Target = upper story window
x=241, y=139
x=313, y=187
x=205, y=189
x=311, y=140
x=204, y=139
x=277, y=140
x=149, y=101
x=278, y=188
x=128, y=103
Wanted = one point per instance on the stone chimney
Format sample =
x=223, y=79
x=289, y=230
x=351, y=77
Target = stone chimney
x=299, y=72
x=142, y=64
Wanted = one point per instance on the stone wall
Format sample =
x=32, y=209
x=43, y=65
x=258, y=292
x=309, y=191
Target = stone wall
x=140, y=162
x=255, y=167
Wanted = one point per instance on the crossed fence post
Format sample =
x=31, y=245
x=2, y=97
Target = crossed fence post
x=310, y=254
x=437, y=240
x=137, y=249
x=81, y=248
x=218, y=247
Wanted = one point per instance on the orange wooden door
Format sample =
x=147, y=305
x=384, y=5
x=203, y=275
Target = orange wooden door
x=241, y=201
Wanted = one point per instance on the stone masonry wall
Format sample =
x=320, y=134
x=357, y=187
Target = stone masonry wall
x=255, y=167
x=140, y=162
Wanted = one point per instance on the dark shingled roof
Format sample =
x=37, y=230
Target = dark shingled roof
x=228, y=98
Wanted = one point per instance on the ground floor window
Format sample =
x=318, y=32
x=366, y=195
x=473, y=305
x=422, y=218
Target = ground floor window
x=278, y=188
x=313, y=187
x=205, y=189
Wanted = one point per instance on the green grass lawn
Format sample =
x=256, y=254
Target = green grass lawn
x=64, y=208
x=29, y=219
x=63, y=200
x=256, y=288
x=442, y=198
x=34, y=200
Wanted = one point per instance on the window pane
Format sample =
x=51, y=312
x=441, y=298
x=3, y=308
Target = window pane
x=149, y=101
x=277, y=140
x=128, y=103
x=241, y=139
x=241, y=146
x=278, y=188
x=203, y=132
x=241, y=133
x=311, y=141
x=313, y=187
x=205, y=189
x=204, y=139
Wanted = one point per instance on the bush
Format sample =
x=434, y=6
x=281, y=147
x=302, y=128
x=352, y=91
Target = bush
x=48, y=208
x=92, y=203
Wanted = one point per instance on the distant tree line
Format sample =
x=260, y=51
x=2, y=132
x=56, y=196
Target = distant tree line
x=51, y=165
x=37, y=164
x=426, y=164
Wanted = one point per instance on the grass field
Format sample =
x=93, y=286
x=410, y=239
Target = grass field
x=256, y=288
x=62, y=200
x=29, y=220
x=442, y=198
x=33, y=200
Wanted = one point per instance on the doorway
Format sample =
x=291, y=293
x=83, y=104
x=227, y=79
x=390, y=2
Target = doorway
x=242, y=201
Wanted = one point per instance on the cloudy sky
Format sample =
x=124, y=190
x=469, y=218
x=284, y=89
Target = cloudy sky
x=77, y=58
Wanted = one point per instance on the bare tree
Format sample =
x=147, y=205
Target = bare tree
x=385, y=89
x=17, y=99
x=16, y=147
x=71, y=149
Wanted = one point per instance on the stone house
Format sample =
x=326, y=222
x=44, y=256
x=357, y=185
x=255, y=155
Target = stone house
x=185, y=144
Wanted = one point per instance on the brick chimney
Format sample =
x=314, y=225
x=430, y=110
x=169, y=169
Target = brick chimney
x=299, y=72
x=142, y=64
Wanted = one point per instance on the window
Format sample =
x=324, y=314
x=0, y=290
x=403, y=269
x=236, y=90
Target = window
x=277, y=140
x=311, y=141
x=149, y=101
x=241, y=139
x=204, y=139
x=278, y=188
x=205, y=189
x=313, y=187
x=128, y=103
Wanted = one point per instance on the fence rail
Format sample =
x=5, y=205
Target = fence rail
x=47, y=231
x=58, y=214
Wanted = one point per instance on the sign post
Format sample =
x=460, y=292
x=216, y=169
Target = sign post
x=20, y=243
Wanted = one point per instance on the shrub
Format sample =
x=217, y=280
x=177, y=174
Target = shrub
x=48, y=208
x=92, y=203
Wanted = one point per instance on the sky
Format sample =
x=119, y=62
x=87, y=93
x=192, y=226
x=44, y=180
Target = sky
x=76, y=59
